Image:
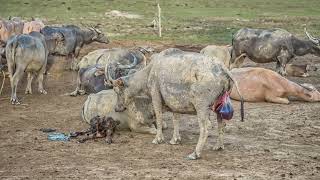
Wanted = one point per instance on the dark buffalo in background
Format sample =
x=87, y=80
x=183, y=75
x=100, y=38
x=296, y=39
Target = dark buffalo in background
x=274, y=45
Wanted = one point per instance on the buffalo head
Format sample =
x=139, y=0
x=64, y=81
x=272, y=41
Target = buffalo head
x=120, y=87
x=99, y=36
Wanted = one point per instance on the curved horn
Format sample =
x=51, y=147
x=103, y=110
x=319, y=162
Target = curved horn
x=129, y=66
x=100, y=58
x=313, y=39
x=110, y=79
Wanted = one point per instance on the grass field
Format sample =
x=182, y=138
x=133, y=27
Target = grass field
x=184, y=21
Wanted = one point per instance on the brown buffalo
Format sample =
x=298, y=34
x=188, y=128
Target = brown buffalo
x=35, y=25
x=9, y=28
x=259, y=85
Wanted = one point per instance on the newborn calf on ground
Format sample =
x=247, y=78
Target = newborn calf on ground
x=100, y=127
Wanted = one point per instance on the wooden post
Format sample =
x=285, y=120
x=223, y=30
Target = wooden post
x=159, y=20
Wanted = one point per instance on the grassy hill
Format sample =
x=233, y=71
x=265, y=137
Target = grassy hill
x=184, y=21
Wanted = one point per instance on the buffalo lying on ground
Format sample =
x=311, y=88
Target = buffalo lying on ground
x=121, y=62
x=300, y=70
x=138, y=117
x=90, y=80
x=26, y=53
x=184, y=82
x=259, y=84
x=275, y=45
x=104, y=56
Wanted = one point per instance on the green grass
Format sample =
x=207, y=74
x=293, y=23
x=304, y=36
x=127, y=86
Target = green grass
x=184, y=21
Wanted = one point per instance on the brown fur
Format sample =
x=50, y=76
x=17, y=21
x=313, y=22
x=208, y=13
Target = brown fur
x=259, y=84
x=32, y=26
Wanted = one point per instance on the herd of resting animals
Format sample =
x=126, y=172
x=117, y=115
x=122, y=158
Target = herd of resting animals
x=145, y=83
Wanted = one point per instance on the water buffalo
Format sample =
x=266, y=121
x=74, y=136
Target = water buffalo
x=138, y=117
x=26, y=53
x=90, y=80
x=274, y=45
x=9, y=28
x=221, y=53
x=300, y=70
x=184, y=82
x=259, y=85
x=105, y=56
x=123, y=62
x=100, y=127
x=68, y=40
x=34, y=25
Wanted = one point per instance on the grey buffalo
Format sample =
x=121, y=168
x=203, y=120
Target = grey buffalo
x=121, y=55
x=68, y=40
x=184, y=82
x=90, y=80
x=121, y=62
x=274, y=45
x=26, y=53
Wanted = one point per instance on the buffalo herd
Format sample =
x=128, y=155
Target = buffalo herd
x=134, y=86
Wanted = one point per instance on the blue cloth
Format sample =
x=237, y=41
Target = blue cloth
x=58, y=137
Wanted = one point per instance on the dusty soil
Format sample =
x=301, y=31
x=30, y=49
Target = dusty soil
x=275, y=141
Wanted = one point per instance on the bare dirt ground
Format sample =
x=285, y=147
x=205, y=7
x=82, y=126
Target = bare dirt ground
x=275, y=141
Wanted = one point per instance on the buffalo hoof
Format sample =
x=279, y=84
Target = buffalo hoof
x=15, y=101
x=305, y=75
x=27, y=92
x=158, y=140
x=109, y=141
x=218, y=147
x=42, y=91
x=175, y=141
x=74, y=93
x=164, y=125
x=82, y=92
x=192, y=156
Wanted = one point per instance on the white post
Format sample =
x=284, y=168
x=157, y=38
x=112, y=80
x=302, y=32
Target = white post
x=159, y=20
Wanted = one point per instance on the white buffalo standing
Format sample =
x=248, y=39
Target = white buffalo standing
x=185, y=82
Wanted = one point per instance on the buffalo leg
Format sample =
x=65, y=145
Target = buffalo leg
x=14, y=84
x=221, y=130
x=109, y=136
x=29, y=88
x=145, y=129
x=278, y=66
x=176, y=139
x=76, y=92
x=40, y=81
x=157, y=105
x=283, y=59
x=89, y=137
x=279, y=100
x=203, y=118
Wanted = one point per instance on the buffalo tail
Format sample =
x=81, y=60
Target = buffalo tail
x=241, y=98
